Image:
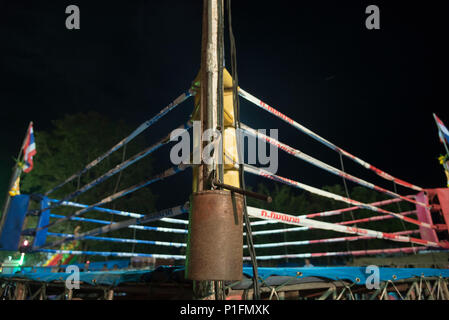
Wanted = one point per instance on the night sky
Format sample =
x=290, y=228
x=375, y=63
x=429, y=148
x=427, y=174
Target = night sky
x=371, y=92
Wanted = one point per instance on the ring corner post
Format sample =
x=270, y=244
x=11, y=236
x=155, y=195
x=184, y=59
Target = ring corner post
x=11, y=230
x=44, y=219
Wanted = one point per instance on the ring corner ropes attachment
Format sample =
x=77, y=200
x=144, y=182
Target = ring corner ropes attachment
x=214, y=248
x=12, y=230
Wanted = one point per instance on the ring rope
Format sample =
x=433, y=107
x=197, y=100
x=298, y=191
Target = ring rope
x=123, y=224
x=332, y=212
x=120, y=240
x=369, y=219
x=376, y=218
x=160, y=229
x=114, y=254
x=269, y=175
x=117, y=212
x=341, y=253
x=172, y=171
x=328, y=240
x=262, y=232
x=341, y=211
x=304, y=222
x=147, y=228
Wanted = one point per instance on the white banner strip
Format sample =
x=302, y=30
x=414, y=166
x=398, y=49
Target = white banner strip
x=304, y=222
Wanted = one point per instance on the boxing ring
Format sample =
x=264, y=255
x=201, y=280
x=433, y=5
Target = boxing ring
x=423, y=234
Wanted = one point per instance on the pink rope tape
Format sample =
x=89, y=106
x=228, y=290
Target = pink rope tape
x=315, y=136
x=325, y=166
x=269, y=175
x=329, y=240
x=340, y=211
x=289, y=219
x=331, y=213
x=377, y=218
x=341, y=253
x=264, y=222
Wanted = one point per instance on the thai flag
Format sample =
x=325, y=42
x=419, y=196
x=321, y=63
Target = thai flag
x=443, y=132
x=29, y=150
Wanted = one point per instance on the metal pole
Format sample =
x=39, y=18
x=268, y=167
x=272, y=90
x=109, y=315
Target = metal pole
x=220, y=87
x=209, y=83
x=208, y=106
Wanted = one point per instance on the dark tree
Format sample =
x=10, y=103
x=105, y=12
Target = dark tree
x=75, y=141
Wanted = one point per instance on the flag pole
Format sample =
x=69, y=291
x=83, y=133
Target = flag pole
x=443, y=140
x=16, y=173
x=441, y=134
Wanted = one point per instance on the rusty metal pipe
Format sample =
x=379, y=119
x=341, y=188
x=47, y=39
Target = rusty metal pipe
x=215, y=244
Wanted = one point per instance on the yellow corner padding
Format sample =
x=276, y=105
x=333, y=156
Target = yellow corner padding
x=231, y=174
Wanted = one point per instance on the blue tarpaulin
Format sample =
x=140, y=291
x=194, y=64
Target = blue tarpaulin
x=348, y=273
x=94, y=278
x=165, y=272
